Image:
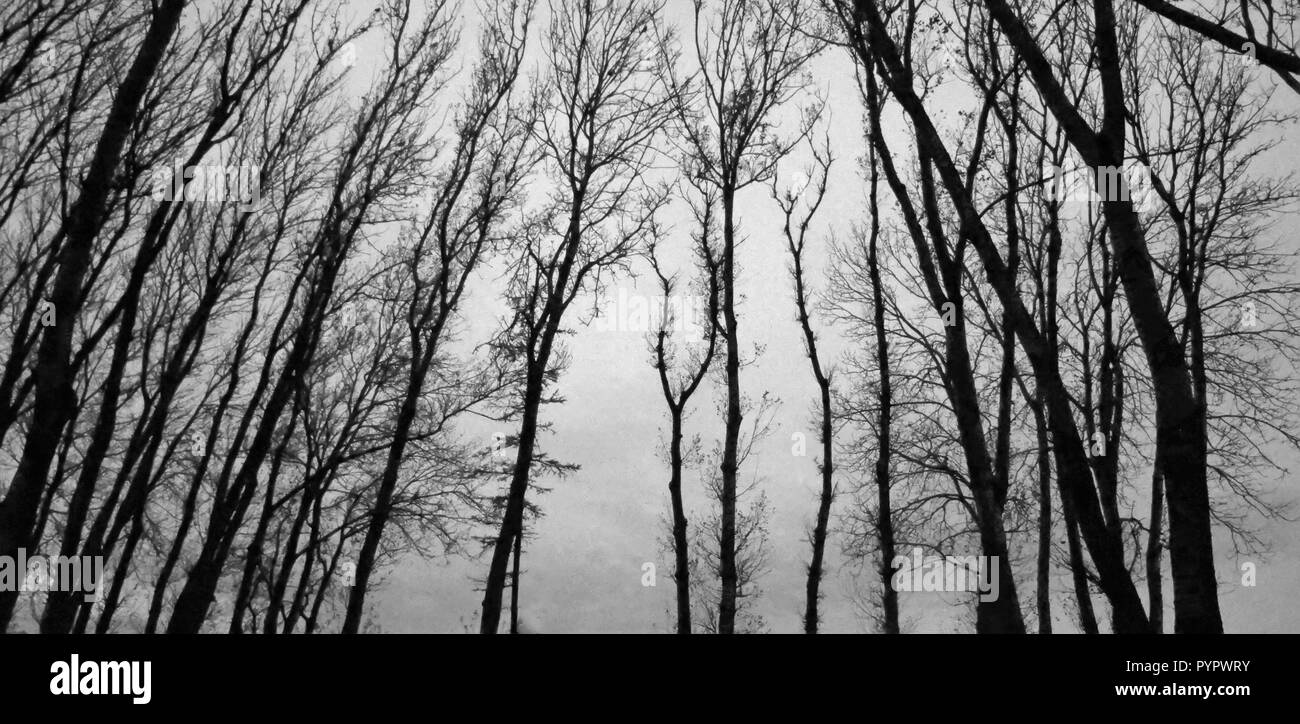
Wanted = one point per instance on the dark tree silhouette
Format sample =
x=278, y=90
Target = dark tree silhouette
x=603, y=110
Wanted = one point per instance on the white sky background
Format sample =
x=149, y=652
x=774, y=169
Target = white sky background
x=583, y=560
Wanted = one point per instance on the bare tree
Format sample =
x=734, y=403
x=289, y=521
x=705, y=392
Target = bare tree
x=55, y=401
x=384, y=130
x=678, y=392
x=795, y=230
x=489, y=162
x=1180, y=452
x=604, y=108
x=749, y=61
x=232, y=91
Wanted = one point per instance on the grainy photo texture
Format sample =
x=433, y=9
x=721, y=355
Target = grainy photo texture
x=637, y=316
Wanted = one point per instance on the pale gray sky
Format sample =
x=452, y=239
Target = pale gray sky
x=583, y=561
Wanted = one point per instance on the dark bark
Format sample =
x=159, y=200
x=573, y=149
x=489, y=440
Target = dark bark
x=884, y=511
x=795, y=230
x=677, y=399
x=1044, y=567
x=1180, y=443
x=459, y=250
x=54, y=396
x=60, y=609
x=253, y=552
x=538, y=363
x=1071, y=457
x=383, y=507
x=1078, y=570
x=1285, y=63
x=943, y=284
x=811, y=616
x=512, y=520
x=227, y=510
x=598, y=135
x=514, y=583
x=1002, y=615
x=681, y=553
x=1155, y=582
x=733, y=416
x=363, y=177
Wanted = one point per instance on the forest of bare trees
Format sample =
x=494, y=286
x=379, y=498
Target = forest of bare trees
x=306, y=306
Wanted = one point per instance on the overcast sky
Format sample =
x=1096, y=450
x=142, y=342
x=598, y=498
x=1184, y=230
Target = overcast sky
x=583, y=561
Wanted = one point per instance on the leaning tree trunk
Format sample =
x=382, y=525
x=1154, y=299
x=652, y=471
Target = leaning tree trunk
x=512, y=521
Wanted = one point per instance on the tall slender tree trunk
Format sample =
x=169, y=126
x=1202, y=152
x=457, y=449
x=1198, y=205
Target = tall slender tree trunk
x=677, y=401
x=383, y=507
x=681, y=572
x=944, y=287
x=514, y=582
x=512, y=520
x=884, y=512
x=731, y=440
x=1044, y=562
x=1155, y=591
x=795, y=241
x=823, y=511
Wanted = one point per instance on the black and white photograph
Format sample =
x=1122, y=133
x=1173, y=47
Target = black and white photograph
x=929, y=318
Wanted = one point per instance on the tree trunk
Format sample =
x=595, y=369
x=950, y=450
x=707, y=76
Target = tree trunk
x=1044, y=522
x=514, y=582
x=823, y=509
x=1155, y=592
x=387, y=485
x=1078, y=568
x=731, y=440
x=512, y=520
x=681, y=572
x=884, y=513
